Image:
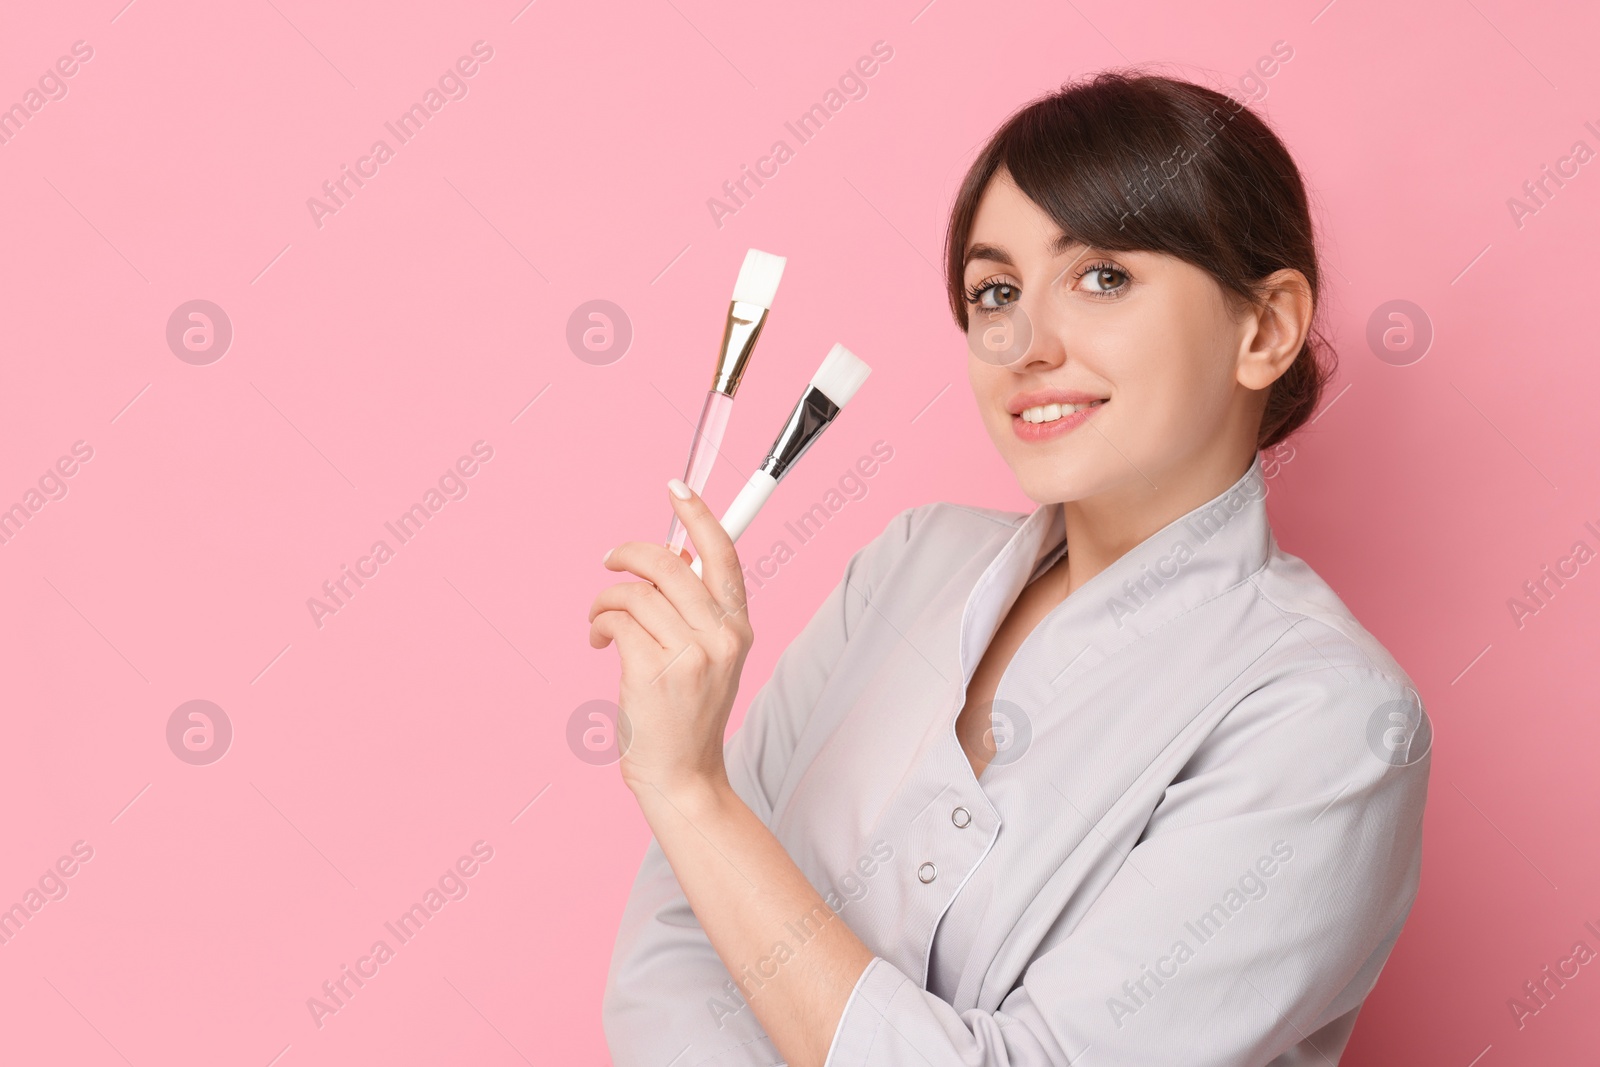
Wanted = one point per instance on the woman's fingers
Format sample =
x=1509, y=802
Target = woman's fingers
x=622, y=628
x=672, y=595
x=719, y=561
x=678, y=585
x=649, y=608
x=670, y=573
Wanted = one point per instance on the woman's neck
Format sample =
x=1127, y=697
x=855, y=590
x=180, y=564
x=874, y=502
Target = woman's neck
x=1103, y=528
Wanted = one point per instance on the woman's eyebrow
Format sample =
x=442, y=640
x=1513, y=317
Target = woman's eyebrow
x=1062, y=244
x=993, y=252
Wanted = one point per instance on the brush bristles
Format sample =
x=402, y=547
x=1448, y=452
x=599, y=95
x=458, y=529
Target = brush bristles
x=840, y=375
x=758, y=278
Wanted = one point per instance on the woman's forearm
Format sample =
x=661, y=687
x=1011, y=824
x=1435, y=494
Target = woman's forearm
x=794, y=960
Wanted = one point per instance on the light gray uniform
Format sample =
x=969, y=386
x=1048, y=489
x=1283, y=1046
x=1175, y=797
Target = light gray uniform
x=1196, y=845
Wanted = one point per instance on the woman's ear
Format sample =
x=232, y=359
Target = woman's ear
x=1276, y=330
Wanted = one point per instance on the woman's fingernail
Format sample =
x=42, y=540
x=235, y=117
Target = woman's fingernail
x=679, y=490
x=607, y=557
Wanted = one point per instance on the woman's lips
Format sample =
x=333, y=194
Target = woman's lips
x=1047, y=431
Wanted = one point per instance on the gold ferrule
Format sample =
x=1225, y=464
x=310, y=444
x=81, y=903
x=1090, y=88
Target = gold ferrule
x=738, y=342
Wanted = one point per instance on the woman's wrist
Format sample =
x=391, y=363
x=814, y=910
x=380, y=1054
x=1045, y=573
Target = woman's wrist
x=693, y=796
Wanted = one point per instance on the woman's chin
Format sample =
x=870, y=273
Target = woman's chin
x=1049, y=487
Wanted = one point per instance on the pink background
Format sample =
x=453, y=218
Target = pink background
x=371, y=352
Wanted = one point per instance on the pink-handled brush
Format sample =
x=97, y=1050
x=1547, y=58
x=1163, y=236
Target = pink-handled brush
x=752, y=299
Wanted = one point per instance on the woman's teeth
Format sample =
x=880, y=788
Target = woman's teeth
x=1052, y=412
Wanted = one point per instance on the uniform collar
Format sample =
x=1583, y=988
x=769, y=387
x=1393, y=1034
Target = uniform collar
x=1196, y=556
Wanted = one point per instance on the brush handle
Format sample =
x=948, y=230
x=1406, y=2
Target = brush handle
x=702, y=455
x=743, y=510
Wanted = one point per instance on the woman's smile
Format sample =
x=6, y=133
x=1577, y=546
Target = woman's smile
x=1046, y=422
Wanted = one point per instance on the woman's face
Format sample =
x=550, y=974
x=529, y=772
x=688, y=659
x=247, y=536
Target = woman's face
x=1144, y=332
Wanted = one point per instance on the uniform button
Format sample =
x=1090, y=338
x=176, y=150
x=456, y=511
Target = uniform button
x=927, y=873
x=961, y=817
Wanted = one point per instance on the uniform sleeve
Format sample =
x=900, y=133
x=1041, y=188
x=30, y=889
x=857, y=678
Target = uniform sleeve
x=1258, y=906
x=668, y=996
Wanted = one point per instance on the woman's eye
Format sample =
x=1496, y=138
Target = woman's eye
x=1003, y=293
x=1105, y=278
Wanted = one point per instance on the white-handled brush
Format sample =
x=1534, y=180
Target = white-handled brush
x=830, y=389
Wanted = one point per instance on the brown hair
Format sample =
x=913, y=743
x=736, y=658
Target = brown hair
x=1098, y=157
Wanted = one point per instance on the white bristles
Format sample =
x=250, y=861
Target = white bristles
x=840, y=375
x=758, y=278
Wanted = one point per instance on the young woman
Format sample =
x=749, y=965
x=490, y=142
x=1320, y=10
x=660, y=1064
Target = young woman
x=1116, y=781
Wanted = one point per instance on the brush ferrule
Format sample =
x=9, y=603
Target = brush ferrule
x=806, y=423
x=738, y=341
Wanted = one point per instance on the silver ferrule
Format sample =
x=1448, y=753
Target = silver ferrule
x=738, y=341
x=806, y=423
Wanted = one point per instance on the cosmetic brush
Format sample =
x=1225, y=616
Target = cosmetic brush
x=830, y=389
x=752, y=298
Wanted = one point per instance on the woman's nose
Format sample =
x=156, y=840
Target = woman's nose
x=1046, y=346
x=1025, y=335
